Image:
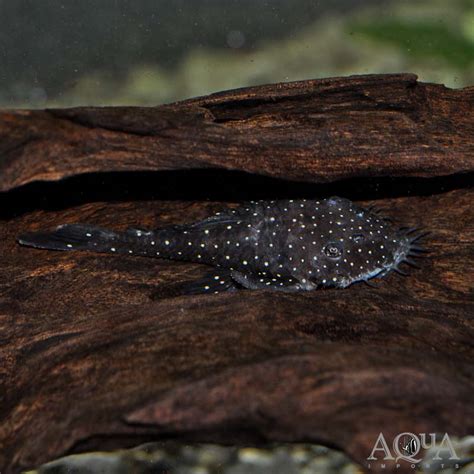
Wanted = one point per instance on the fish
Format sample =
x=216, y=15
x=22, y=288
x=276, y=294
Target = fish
x=283, y=245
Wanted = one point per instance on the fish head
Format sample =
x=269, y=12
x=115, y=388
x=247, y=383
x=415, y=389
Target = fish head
x=358, y=244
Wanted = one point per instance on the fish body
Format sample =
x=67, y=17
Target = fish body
x=287, y=245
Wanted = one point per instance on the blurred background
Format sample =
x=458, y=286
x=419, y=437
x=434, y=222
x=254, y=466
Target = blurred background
x=147, y=52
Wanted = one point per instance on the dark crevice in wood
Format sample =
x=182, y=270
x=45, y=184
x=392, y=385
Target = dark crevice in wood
x=211, y=185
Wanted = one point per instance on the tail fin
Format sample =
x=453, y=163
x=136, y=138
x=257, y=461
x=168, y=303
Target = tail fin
x=73, y=237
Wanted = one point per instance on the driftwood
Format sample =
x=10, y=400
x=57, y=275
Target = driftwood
x=316, y=131
x=100, y=351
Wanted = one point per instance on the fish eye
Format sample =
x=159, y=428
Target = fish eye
x=358, y=237
x=333, y=250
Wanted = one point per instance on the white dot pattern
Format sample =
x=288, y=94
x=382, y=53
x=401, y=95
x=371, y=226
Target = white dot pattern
x=287, y=245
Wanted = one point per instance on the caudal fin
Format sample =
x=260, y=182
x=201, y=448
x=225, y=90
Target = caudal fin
x=73, y=237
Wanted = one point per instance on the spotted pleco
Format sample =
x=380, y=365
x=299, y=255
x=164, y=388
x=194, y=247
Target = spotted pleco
x=286, y=245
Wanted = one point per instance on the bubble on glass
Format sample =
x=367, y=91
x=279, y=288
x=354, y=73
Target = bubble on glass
x=235, y=39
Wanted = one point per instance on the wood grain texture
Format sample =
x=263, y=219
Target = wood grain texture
x=316, y=130
x=101, y=351
x=104, y=351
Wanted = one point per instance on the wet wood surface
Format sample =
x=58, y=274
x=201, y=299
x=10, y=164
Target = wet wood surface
x=103, y=351
x=318, y=131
